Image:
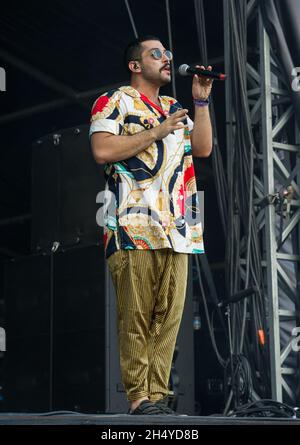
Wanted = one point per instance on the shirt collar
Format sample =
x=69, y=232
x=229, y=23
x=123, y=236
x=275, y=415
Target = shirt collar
x=165, y=101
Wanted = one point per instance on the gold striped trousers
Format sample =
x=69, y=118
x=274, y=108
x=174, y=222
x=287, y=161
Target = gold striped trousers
x=150, y=287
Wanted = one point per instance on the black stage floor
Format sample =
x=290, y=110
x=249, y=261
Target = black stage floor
x=125, y=419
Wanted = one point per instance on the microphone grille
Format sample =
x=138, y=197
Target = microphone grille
x=182, y=70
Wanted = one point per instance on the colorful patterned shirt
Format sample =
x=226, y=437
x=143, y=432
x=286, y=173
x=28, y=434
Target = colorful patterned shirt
x=153, y=195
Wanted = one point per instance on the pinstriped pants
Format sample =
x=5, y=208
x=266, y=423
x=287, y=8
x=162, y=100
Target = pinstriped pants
x=150, y=286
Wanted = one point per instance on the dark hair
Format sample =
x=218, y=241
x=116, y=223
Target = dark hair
x=134, y=49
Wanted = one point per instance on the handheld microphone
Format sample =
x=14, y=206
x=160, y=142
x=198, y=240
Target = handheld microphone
x=186, y=70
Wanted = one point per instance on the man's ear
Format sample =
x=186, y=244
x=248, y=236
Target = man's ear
x=134, y=67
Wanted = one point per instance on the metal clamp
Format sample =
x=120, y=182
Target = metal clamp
x=55, y=246
x=56, y=139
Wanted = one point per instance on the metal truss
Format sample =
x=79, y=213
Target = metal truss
x=276, y=198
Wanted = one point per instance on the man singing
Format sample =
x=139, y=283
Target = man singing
x=146, y=142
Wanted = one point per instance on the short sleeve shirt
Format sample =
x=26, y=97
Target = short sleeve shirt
x=151, y=198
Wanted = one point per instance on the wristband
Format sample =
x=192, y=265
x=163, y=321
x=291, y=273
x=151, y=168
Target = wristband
x=201, y=102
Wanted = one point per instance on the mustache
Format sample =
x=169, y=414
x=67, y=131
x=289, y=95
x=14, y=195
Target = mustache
x=167, y=65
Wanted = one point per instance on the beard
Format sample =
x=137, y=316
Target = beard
x=158, y=78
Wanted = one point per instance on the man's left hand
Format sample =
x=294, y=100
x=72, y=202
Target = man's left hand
x=201, y=87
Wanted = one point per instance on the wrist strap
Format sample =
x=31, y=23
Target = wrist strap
x=201, y=102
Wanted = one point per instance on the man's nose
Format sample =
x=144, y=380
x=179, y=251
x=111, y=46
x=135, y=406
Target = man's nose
x=165, y=58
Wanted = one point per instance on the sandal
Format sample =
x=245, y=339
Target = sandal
x=162, y=404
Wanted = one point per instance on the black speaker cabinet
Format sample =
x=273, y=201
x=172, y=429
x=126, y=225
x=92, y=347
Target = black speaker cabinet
x=62, y=351
x=65, y=183
x=27, y=360
x=55, y=331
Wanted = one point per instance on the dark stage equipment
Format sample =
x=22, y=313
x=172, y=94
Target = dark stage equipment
x=55, y=327
x=65, y=183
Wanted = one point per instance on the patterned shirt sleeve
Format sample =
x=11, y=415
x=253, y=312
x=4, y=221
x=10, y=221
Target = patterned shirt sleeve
x=106, y=115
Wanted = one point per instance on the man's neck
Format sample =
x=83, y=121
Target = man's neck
x=148, y=89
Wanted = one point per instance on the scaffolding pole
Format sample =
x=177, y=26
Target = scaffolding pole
x=272, y=117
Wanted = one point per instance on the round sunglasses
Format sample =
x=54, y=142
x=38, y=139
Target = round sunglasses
x=157, y=54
